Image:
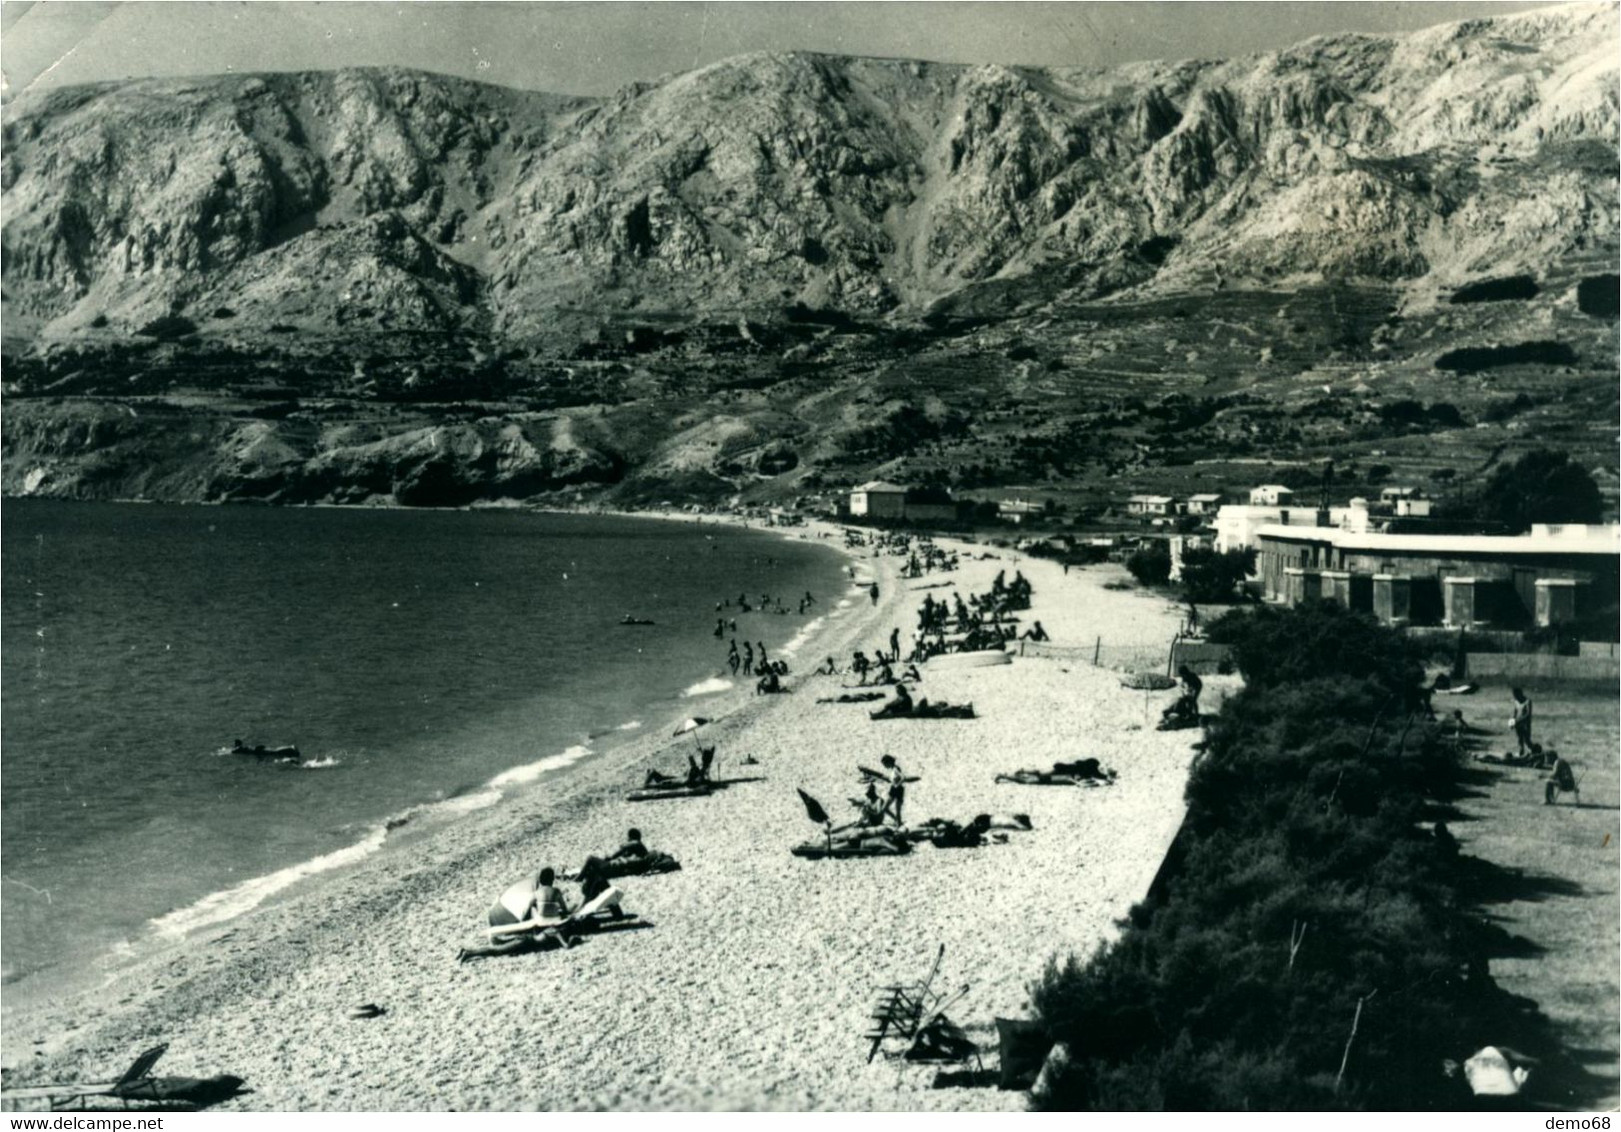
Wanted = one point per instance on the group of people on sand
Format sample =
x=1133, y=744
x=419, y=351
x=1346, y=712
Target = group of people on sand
x=548, y=912
x=747, y=660
x=881, y=667
x=1529, y=753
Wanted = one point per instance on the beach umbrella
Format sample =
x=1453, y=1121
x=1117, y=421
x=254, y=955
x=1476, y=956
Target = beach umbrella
x=814, y=811
x=691, y=724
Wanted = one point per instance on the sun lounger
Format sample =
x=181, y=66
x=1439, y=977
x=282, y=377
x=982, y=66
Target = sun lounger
x=605, y=905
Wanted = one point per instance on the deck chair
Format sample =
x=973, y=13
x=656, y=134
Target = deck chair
x=605, y=905
x=900, y=1007
x=942, y=1041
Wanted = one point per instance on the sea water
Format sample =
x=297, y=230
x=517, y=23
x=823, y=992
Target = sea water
x=422, y=662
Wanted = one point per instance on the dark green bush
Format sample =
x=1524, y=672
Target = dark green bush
x=1304, y=815
x=1151, y=565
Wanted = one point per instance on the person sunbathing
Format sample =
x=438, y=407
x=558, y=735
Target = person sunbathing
x=545, y=903
x=869, y=812
x=1085, y=771
x=632, y=850
x=696, y=775
x=901, y=705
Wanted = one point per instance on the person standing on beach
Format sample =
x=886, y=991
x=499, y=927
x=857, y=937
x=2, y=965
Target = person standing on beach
x=1521, y=720
x=895, y=643
x=748, y=659
x=720, y=628
x=732, y=658
x=873, y=593
x=761, y=648
x=897, y=788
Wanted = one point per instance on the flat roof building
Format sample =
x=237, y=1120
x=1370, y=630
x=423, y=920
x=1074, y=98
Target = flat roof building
x=1550, y=576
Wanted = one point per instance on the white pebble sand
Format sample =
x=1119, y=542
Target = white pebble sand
x=752, y=990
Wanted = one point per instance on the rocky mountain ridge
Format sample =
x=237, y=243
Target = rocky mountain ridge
x=367, y=238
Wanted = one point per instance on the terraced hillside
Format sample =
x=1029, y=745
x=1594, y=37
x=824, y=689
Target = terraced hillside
x=780, y=275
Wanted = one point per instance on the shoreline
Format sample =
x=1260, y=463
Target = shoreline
x=402, y=829
x=386, y=930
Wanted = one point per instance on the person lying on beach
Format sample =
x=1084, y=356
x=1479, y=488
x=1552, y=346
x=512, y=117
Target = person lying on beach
x=697, y=775
x=1535, y=758
x=848, y=698
x=1084, y=772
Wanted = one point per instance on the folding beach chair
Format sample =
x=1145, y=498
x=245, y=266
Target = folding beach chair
x=900, y=1008
x=942, y=1041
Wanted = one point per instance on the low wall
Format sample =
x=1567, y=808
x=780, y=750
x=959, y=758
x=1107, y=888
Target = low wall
x=1541, y=666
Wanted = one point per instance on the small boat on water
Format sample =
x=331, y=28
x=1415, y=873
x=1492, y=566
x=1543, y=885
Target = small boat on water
x=627, y=619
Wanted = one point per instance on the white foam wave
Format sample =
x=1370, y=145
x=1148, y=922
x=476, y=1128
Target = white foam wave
x=844, y=603
x=320, y=764
x=531, y=771
x=801, y=638
x=218, y=907
x=466, y=803
x=708, y=687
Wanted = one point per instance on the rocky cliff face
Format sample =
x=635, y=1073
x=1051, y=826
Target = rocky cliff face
x=349, y=208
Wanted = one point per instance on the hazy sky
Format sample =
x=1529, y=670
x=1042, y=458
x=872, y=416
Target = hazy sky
x=595, y=48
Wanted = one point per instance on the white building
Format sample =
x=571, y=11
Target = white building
x=1205, y=503
x=1236, y=524
x=879, y=500
x=1271, y=495
x=1151, y=505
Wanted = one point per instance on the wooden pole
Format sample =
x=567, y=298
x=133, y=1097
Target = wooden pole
x=1097, y=651
x=1338, y=1077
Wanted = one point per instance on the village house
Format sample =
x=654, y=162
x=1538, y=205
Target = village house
x=878, y=500
x=1271, y=495
x=1205, y=503
x=1020, y=510
x=1151, y=505
x=882, y=500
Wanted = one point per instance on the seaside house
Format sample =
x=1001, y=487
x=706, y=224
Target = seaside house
x=1271, y=495
x=1151, y=505
x=1552, y=576
x=1406, y=502
x=1020, y=510
x=1205, y=503
x=878, y=500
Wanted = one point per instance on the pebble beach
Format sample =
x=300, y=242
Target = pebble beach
x=750, y=982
